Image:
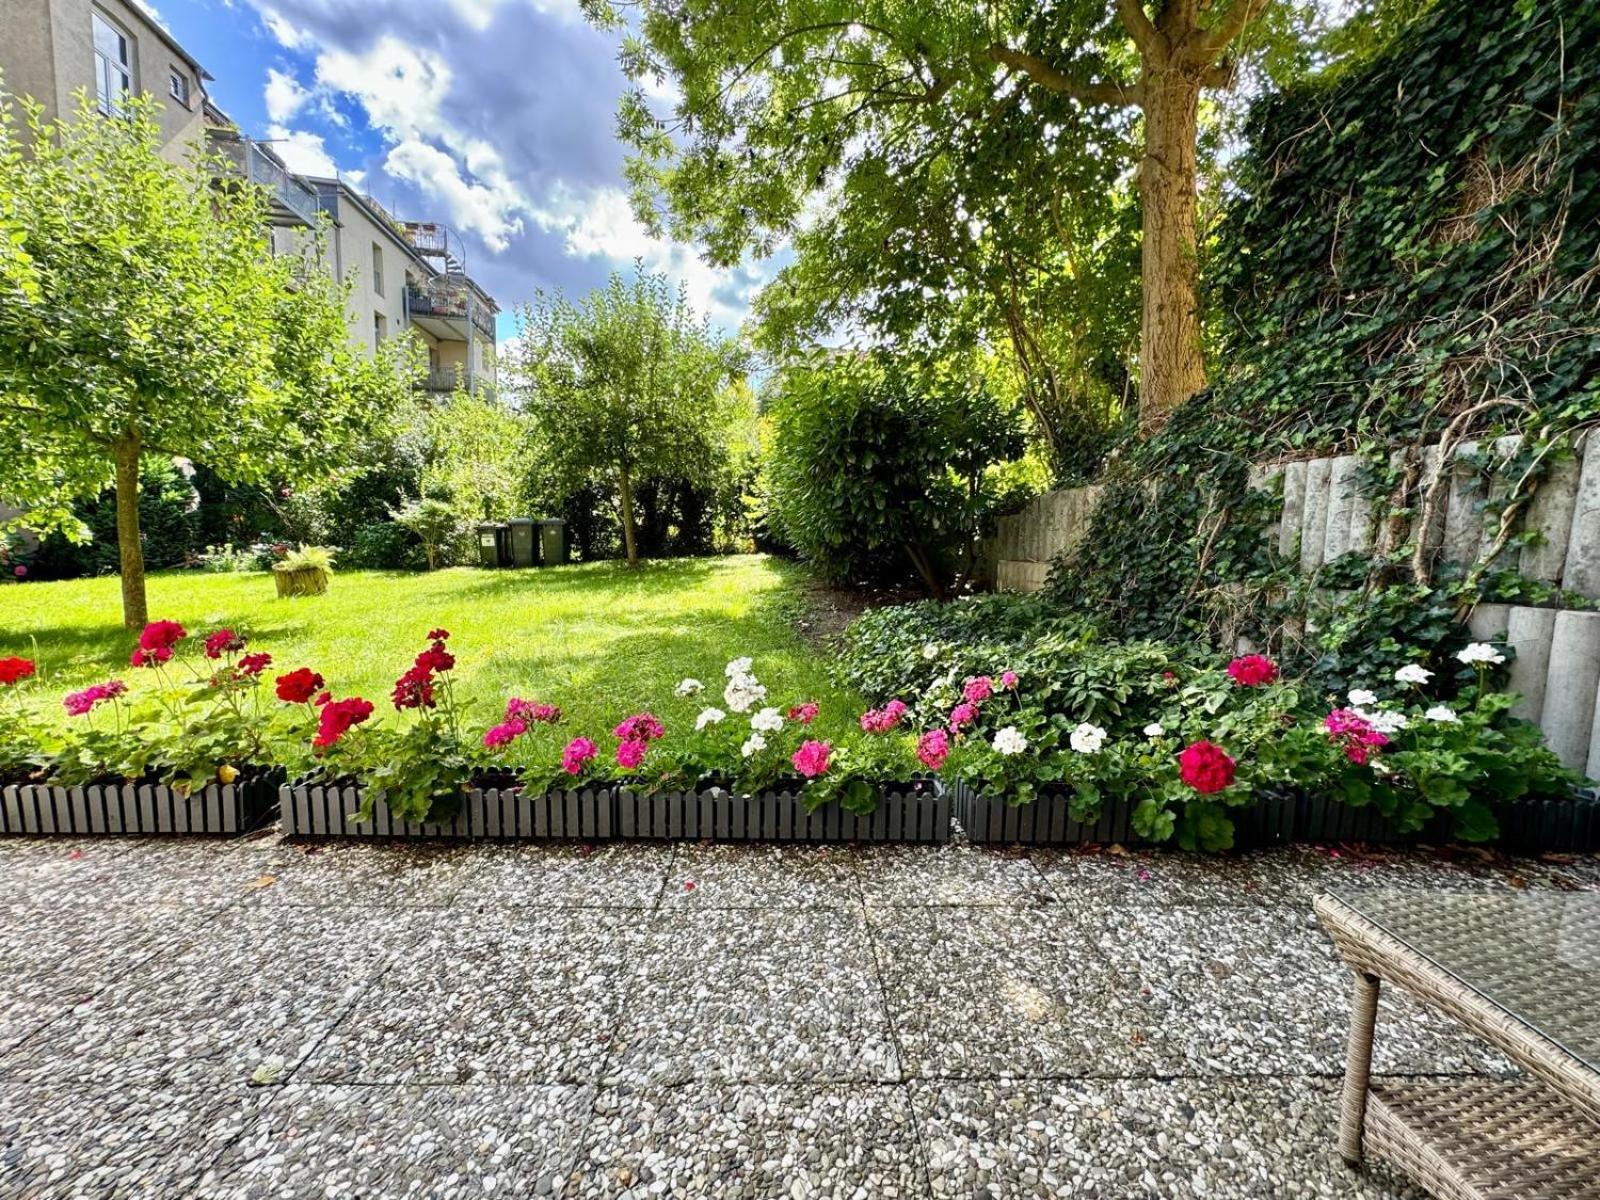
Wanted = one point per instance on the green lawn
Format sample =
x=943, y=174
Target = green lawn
x=597, y=639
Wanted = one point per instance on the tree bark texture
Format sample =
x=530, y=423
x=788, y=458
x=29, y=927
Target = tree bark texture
x=130, y=550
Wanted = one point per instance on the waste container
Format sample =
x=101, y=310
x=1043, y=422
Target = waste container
x=492, y=539
x=552, y=542
x=524, y=547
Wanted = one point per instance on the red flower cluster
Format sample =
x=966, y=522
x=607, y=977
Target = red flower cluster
x=299, y=686
x=414, y=689
x=223, y=641
x=805, y=713
x=156, y=642
x=254, y=664
x=1206, y=767
x=14, y=670
x=337, y=718
x=1252, y=670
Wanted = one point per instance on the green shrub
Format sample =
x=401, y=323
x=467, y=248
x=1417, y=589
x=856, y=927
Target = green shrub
x=878, y=466
x=384, y=546
x=168, y=522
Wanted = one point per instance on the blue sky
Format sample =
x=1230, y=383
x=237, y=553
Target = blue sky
x=496, y=117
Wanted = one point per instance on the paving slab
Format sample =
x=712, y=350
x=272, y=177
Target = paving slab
x=63, y=1140
x=1114, y=1139
x=998, y=992
x=566, y=875
x=247, y=996
x=1168, y=877
x=756, y=1141
x=952, y=874
x=364, y=874
x=755, y=995
x=708, y=875
x=382, y=1143
x=504, y=994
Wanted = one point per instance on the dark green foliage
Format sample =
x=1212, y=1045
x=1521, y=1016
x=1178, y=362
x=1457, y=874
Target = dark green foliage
x=168, y=521
x=878, y=465
x=383, y=546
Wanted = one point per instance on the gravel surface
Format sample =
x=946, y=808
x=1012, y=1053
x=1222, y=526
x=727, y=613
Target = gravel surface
x=256, y=1018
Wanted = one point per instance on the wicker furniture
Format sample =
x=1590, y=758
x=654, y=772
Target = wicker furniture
x=1522, y=971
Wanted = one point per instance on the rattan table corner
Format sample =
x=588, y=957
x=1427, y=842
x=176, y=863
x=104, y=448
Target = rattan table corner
x=1522, y=972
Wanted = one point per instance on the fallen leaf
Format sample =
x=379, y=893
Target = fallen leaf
x=261, y=881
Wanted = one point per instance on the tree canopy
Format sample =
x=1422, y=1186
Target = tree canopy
x=143, y=313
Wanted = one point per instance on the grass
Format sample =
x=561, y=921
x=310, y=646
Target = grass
x=598, y=639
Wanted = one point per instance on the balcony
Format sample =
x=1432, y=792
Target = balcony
x=446, y=305
x=444, y=380
x=290, y=202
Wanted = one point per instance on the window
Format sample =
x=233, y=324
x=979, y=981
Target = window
x=380, y=329
x=377, y=268
x=178, y=85
x=113, y=66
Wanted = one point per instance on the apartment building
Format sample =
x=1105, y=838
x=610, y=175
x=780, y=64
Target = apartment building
x=49, y=49
x=406, y=278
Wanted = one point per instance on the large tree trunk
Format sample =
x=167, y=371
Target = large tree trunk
x=630, y=539
x=129, y=549
x=1171, y=367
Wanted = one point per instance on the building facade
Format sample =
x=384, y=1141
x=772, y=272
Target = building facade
x=404, y=278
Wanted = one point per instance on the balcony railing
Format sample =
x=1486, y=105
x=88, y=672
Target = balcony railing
x=447, y=379
x=452, y=303
x=292, y=201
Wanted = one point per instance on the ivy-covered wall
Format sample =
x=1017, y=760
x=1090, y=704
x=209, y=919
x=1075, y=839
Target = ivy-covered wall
x=1406, y=280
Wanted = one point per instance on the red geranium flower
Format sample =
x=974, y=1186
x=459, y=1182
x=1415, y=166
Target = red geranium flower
x=438, y=635
x=1252, y=670
x=149, y=658
x=223, y=641
x=435, y=658
x=1205, y=767
x=414, y=689
x=337, y=717
x=299, y=685
x=161, y=635
x=14, y=670
x=254, y=664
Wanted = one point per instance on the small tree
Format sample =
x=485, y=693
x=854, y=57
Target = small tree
x=142, y=312
x=434, y=521
x=627, y=385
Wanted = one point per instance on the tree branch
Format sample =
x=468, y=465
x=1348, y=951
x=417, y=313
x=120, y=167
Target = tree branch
x=1140, y=28
x=1213, y=42
x=1118, y=95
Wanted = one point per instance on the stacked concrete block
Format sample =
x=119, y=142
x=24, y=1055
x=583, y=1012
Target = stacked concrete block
x=1314, y=519
x=1294, y=508
x=1529, y=632
x=1568, y=714
x=1581, y=571
x=1550, y=512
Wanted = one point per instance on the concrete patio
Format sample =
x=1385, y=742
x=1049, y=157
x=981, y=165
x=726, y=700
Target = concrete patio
x=262, y=1019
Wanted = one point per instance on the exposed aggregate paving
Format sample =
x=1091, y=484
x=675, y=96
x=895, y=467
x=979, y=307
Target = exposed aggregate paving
x=263, y=1019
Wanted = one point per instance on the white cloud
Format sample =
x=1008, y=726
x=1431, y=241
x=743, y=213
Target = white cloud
x=486, y=207
x=284, y=96
x=401, y=87
x=285, y=33
x=302, y=151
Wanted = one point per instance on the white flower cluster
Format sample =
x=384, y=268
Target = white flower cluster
x=1155, y=730
x=1361, y=698
x=1443, y=714
x=1087, y=738
x=744, y=691
x=754, y=744
x=709, y=716
x=1010, y=741
x=1412, y=673
x=1480, y=652
x=1385, y=721
x=768, y=720
x=931, y=651
x=689, y=687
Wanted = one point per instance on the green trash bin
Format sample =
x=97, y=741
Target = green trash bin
x=491, y=544
x=552, y=542
x=524, y=548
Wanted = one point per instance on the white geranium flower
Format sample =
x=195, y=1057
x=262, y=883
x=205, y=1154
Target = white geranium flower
x=1380, y=767
x=1087, y=738
x=738, y=667
x=1480, y=652
x=709, y=716
x=1154, y=730
x=931, y=651
x=1385, y=721
x=743, y=693
x=755, y=744
x=1443, y=714
x=1010, y=741
x=689, y=687
x=1412, y=673
x=1360, y=697
x=768, y=720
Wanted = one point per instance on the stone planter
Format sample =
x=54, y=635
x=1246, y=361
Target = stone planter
x=138, y=808
x=486, y=814
x=905, y=813
x=302, y=581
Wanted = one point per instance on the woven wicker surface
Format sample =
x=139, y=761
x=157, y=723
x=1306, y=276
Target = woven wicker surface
x=1481, y=1138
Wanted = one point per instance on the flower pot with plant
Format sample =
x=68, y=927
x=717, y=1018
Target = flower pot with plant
x=303, y=572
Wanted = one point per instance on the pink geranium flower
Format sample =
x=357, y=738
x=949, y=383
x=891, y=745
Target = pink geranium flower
x=641, y=727
x=504, y=733
x=933, y=748
x=805, y=713
x=631, y=752
x=78, y=703
x=962, y=715
x=978, y=689
x=882, y=720
x=579, y=751
x=1008, y=680
x=811, y=759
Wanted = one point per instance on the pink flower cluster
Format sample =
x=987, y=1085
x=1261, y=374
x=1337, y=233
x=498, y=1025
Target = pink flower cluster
x=520, y=715
x=156, y=641
x=811, y=759
x=78, y=703
x=805, y=713
x=882, y=720
x=1355, y=734
x=933, y=748
x=634, y=737
x=579, y=751
x=974, y=692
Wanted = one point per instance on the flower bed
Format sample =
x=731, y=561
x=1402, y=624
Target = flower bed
x=918, y=812
x=139, y=808
x=485, y=814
